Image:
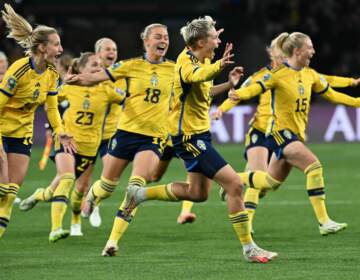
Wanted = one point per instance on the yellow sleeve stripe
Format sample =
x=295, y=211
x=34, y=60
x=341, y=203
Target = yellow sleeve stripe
x=8, y=94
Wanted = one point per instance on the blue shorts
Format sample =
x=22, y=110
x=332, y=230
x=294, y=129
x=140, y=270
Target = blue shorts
x=103, y=148
x=168, y=154
x=81, y=162
x=256, y=138
x=17, y=145
x=126, y=145
x=278, y=140
x=198, y=154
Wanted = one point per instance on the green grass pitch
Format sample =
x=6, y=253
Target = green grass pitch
x=155, y=247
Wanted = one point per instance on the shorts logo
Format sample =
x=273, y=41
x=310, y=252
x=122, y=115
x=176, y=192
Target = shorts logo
x=11, y=83
x=254, y=138
x=113, y=144
x=287, y=134
x=201, y=145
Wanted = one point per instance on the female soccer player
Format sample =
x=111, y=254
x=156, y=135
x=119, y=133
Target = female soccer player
x=257, y=150
x=142, y=127
x=292, y=84
x=189, y=128
x=84, y=120
x=29, y=82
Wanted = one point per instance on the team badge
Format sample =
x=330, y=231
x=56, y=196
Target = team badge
x=301, y=89
x=254, y=138
x=201, y=145
x=154, y=80
x=266, y=77
x=11, y=83
x=36, y=94
x=323, y=81
x=246, y=83
x=287, y=134
x=113, y=144
x=86, y=104
x=115, y=65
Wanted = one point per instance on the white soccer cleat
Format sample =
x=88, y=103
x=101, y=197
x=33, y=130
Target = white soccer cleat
x=17, y=200
x=331, y=227
x=58, y=234
x=258, y=255
x=75, y=230
x=30, y=202
x=222, y=194
x=131, y=200
x=95, y=218
x=88, y=205
x=110, y=249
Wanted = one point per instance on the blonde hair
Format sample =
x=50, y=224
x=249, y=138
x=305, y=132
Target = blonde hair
x=80, y=62
x=196, y=30
x=22, y=32
x=275, y=48
x=288, y=42
x=147, y=30
x=99, y=43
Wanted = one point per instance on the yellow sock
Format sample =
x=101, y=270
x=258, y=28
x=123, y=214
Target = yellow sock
x=259, y=180
x=187, y=206
x=161, y=192
x=103, y=189
x=60, y=200
x=240, y=222
x=251, y=200
x=44, y=194
x=121, y=223
x=6, y=205
x=316, y=192
x=75, y=200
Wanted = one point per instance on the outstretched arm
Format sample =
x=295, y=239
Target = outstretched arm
x=336, y=97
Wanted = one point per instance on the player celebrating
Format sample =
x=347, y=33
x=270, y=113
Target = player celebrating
x=189, y=128
x=29, y=82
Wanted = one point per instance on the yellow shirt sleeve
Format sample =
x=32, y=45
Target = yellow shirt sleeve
x=53, y=113
x=338, y=82
x=336, y=97
x=227, y=105
x=193, y=73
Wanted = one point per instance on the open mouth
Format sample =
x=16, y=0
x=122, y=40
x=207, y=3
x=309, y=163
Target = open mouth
x=161, y=48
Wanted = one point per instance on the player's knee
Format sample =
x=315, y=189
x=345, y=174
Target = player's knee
x=314, y=175
x=198, y=197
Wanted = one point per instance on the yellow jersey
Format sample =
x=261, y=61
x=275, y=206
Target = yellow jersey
x=86, y=113
x=192, y=83
x=149, y=87
x=113, y=112
x=263, y=111
x=290, y=96
x=22, y=90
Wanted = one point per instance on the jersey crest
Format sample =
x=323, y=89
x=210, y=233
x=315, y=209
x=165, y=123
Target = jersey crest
x=11, y=83
x=154, y=80
x=86, y=104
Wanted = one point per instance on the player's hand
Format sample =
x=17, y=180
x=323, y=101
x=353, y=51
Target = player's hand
x=235, y=75
x=217, y=114
x=68, y=143
x=234, y=97
x=356, y=82
x=227, y=56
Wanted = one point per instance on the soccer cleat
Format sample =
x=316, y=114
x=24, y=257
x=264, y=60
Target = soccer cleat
x=222, y=194
x=110, y=249
x=75, y=230
x=331, y=227
x=58, y=234
x=88, y=205
x=30, y=202
x=95, y=218
x=258, y=255
x=131, y=200
x=17, y=200
x=186, y=217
